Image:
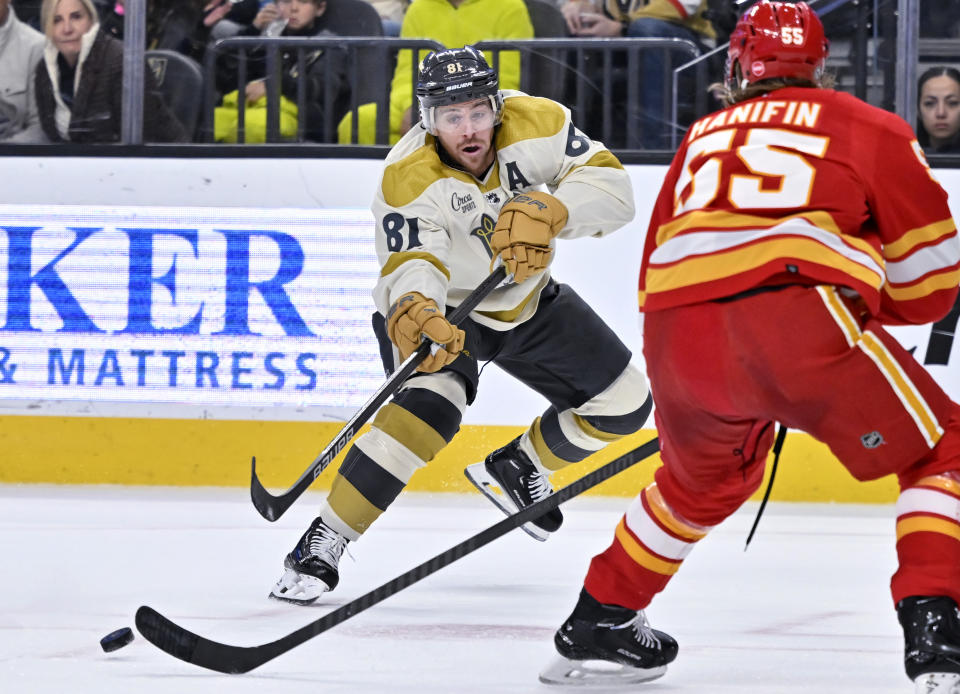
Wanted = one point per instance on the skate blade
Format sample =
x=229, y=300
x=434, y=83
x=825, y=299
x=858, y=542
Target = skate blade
x=598, y=674
x=298, y=589
x=937, y=683
x=481, y=479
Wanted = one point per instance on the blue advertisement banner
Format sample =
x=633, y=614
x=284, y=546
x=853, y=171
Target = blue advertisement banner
x=148, y=311
x=196, y=306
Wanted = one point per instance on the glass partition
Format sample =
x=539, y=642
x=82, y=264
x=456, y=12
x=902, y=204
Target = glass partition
x=201, y=72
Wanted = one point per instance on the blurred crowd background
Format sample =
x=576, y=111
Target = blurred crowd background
x=635, y=73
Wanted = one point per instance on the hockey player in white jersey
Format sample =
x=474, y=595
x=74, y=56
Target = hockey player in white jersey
x=487, y=176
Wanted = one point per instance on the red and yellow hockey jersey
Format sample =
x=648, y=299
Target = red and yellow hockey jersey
x=803, y=186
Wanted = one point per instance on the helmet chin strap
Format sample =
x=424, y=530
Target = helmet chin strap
x=737, y=81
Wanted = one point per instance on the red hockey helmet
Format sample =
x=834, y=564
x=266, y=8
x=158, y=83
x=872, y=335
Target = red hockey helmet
x=776, y=39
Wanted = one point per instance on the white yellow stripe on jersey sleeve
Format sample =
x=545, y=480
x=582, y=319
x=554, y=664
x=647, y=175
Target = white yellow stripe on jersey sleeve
x=922, y=261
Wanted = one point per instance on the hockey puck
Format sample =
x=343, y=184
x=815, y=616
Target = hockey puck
x=116, y=639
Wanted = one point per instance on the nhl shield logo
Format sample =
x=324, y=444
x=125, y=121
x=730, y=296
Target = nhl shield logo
x=872, y=440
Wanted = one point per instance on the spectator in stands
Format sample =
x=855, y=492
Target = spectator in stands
x=184, y=26
x=938, y=98
x=21, y=48
x=681, y=19
x=28, y=12
x=391, y=14
x=112, y=17
x=325, y=69
x=455, y=23
x=939, y=19
x=239, y=15
x=79, y=81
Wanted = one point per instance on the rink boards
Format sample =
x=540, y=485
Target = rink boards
x=85, y=450
x=164, y=320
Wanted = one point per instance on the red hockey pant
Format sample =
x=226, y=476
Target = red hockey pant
x=722, y=373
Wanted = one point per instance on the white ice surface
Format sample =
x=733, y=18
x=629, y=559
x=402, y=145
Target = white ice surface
x=805, y=609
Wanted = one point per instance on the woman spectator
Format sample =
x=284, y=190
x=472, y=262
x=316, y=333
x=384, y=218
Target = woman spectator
x=938, y=96
x=79, y=82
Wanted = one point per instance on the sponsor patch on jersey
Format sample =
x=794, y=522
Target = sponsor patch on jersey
x=493, y=198
x=462, y=203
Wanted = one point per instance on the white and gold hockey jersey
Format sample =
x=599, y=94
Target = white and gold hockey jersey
x=433, y=222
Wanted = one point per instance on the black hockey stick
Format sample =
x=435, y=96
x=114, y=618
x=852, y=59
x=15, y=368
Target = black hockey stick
x=272, y=507
x=191, y=648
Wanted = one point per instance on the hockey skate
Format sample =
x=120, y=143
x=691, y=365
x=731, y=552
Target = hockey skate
x=512, y=482
x=310, y=570
x=931, y=630
x=608, y=646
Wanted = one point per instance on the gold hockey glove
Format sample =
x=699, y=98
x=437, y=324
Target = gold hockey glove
x=413, y=315
x=521, y=238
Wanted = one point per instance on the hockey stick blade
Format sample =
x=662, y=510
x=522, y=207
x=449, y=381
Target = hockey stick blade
x=197, y=650
x=272, y=506
x=187, y=646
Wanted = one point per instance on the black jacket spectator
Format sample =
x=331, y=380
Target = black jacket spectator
x=325, y=69
x=95, y=104
x=175, y=25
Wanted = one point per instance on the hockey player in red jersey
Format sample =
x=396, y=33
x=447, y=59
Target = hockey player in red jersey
x=792, y=226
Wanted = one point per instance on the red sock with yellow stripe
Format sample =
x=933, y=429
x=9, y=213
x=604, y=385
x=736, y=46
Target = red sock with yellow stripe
x=928, y=538
x=649, y=545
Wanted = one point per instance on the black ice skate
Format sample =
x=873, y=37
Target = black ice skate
x=311, y=568
x=931, y=630
x=520, y=483
x=608, y=645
